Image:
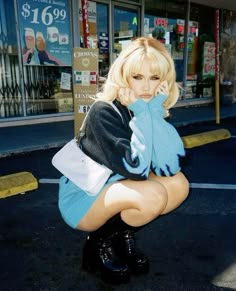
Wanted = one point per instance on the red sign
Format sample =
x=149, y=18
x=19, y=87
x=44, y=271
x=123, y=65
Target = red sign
x=85, y=22
x=208, y=69
x=217, y=20
x=160, y=22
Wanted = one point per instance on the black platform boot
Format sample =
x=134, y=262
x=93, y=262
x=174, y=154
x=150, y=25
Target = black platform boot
x=99, y=254
x=138, y=262
x=126, y=248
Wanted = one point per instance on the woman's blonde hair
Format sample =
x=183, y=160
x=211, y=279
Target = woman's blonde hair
x=129, y=62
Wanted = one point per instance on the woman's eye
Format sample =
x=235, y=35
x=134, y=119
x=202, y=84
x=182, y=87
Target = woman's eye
x=137, y=77
x=154, y=78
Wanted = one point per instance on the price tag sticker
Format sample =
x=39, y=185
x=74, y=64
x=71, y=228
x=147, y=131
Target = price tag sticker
x=83, y=108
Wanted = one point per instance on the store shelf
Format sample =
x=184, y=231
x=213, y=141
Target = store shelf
x=194, y=101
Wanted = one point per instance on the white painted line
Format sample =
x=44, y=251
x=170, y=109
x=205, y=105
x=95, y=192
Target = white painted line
x=213, y=186
x=192, y=185
x=49, y=181
x=233, y=136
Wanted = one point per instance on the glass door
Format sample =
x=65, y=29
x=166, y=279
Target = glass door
x=126, y=26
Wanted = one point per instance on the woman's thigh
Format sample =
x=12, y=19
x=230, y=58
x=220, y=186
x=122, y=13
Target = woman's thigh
x=146, y=197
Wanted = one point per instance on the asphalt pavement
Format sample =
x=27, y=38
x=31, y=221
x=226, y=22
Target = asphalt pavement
x=192, y=248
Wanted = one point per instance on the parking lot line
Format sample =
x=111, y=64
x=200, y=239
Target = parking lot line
x=213, y=186
x=48, y=181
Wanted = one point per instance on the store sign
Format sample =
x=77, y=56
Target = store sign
x=91, y=11
x=146, y=27
x=160, y=22
x=208, y=68
x=192, y=29
x=85, y=82
x=44, y=32
x=103, y=42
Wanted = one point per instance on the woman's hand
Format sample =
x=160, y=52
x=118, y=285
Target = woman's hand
x=163, y=88
x=126, y=96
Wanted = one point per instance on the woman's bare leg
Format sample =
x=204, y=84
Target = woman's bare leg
x=139, y=202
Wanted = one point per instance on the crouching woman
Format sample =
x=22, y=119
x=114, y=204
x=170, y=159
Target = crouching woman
x=141, y=148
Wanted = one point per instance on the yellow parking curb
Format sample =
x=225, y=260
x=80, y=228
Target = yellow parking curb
x=199, y=139
x=17, y=183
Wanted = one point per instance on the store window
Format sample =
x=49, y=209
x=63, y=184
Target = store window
x=36, y=59
x=165, y=20
x=201, y=59
x=103, y=39
x=10, y=91
x=126, y=27
x=97, y=32
x=228, y=57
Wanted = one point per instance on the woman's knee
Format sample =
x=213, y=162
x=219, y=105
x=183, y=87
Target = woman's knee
x=181, y=185
x=154, y=200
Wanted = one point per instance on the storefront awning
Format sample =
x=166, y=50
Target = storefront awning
x=223, y=4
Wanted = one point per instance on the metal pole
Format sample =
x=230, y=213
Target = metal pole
x=111, y=31
x=75, y=23
x=21, y=74
x=141, y=17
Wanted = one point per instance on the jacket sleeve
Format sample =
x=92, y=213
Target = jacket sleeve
x=126, y=150
x=167, y=145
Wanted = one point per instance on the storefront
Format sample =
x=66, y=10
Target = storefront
x=36, y=54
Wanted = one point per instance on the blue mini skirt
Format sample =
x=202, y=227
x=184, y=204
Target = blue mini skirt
x=73, y=202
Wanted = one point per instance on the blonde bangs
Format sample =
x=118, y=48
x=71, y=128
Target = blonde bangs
x=159, y=64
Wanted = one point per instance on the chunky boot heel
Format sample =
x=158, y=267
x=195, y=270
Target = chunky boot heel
x=99, y=256
x=126, y=249
x=137, y=261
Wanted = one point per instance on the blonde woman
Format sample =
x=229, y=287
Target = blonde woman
x=141, y=149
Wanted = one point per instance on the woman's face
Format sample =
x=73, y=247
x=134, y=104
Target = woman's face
x=144, y=84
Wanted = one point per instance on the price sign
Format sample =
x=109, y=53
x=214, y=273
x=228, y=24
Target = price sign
x=46, y=16
x=44, y=31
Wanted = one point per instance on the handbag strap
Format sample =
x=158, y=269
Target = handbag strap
x=83, y=126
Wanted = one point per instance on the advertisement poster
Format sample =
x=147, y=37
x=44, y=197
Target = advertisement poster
x=208, y=68
x=44, y=32
x=85, y=82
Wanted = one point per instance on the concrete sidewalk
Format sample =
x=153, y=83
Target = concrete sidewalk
x=19, y=139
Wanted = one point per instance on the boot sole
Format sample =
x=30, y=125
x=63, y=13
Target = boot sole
x=118, y=278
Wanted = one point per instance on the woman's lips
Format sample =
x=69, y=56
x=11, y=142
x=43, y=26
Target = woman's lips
x=145, y=96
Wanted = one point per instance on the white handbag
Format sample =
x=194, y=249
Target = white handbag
x=83, y=171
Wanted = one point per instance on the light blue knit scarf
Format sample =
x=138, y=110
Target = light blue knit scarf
x=167, y=146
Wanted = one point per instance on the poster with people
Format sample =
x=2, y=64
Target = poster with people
x=44, y=32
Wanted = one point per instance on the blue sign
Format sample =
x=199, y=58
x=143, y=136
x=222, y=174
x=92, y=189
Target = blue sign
x=44, y=32
x=103, y=42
